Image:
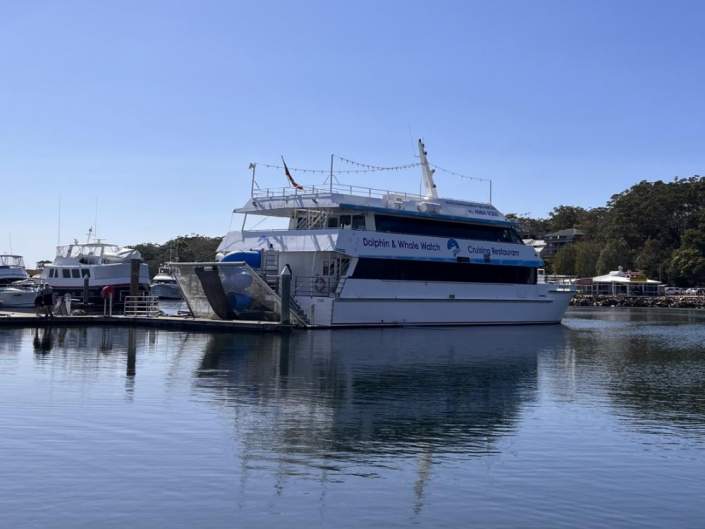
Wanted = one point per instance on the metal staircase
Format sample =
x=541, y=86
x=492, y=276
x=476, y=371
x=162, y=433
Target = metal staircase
x=269, y=272
x=270, y=269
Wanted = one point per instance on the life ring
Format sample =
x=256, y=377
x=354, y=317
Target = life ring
x=319, y=285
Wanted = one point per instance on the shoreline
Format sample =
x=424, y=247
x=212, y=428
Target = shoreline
x=676, y=302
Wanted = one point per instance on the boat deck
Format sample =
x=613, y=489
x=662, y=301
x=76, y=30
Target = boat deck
x=176, y=323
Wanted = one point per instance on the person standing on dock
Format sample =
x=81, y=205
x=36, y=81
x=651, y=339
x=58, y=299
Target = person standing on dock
x=44, y=302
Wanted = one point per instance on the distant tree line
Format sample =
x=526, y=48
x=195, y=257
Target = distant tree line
x=655, y=227
x=186, y=248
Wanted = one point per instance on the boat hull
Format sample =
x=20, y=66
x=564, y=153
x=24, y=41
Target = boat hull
x=165, y=291
x=393, y=303
x=16, y=298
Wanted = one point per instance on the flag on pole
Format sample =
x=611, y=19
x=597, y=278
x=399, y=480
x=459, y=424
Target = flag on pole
x=293, y=182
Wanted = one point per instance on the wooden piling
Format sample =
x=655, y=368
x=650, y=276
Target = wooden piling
x=134, y=277
x=86, y=279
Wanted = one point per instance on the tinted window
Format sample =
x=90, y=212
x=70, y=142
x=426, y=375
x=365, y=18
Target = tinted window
x=66, y=273
x=407, y=270
x=438, y=228
x=75, y=273
x=358, y=222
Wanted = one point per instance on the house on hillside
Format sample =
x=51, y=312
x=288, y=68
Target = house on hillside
x=558, y=239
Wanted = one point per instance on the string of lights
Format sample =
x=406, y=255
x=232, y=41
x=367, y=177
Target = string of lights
x=297, y=169
x=366, y=168
x=438, y=168
x=372, y=168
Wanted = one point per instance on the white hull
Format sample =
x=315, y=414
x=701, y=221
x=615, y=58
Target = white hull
x=98, y=276
x=16, y=298
x=390, y=303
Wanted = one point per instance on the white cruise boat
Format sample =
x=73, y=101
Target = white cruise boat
x=12, y=269
x=366, y=257
x=164, y=284
x=103, y=264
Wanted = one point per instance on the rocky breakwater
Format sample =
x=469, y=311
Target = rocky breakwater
x=678, y=302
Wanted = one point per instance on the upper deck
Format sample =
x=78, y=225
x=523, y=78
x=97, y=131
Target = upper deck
x=11, y=260
x=285, y=201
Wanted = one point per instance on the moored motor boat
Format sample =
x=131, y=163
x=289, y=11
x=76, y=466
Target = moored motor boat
x=20, y=294
x=164, y=284
x=355, y=256
x=104, y=265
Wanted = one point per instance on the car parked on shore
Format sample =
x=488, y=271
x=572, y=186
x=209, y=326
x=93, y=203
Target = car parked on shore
x=673, y=291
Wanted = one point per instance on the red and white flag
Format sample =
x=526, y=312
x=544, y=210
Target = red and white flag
x=293, y=182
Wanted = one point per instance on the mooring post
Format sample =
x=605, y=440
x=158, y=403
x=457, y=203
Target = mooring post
x=134, y=277
x=86, y=279
x=285, y=294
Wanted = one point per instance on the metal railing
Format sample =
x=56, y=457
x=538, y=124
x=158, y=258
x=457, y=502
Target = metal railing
x=370, y=192
x=144, y=306
x=556, y=279
x=319, y=286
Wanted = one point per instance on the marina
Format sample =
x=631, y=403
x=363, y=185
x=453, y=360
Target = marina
x=360, y=265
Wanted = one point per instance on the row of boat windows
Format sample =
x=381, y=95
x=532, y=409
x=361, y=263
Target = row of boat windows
x=355, y=222
x=415, y=226
x=69, y=273
x=408, y=270
x=446, y=229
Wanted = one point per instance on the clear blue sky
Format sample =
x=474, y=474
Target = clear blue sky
x=156, y=108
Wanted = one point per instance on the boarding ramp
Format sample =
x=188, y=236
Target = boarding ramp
x=230, y=291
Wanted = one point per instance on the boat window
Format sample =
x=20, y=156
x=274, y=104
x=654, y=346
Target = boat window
x=333, y=222
x=75, y=273
x=345, y=221
x=85, y=272
x=408, y=270
x=66, y=273
x=358, y=222
x=439, y=228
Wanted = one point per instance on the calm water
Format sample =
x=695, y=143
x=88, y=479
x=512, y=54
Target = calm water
x=598, y=423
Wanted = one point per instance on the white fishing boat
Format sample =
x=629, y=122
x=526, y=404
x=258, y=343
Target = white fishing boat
x=103, y=264
x=164, y=284
x=369, y=257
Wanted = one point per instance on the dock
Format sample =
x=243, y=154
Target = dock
x=173, y=323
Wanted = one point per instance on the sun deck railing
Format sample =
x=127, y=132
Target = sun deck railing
x=315, y=191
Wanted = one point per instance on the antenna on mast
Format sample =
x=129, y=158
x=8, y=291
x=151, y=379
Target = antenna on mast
x=427, y=172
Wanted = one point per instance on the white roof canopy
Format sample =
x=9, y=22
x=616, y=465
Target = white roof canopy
x=619, y=276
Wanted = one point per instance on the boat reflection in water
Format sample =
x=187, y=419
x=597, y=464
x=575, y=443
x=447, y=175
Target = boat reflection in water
x=393, y=391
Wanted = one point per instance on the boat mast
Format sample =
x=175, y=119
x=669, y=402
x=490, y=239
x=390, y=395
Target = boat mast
x=429, y=184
